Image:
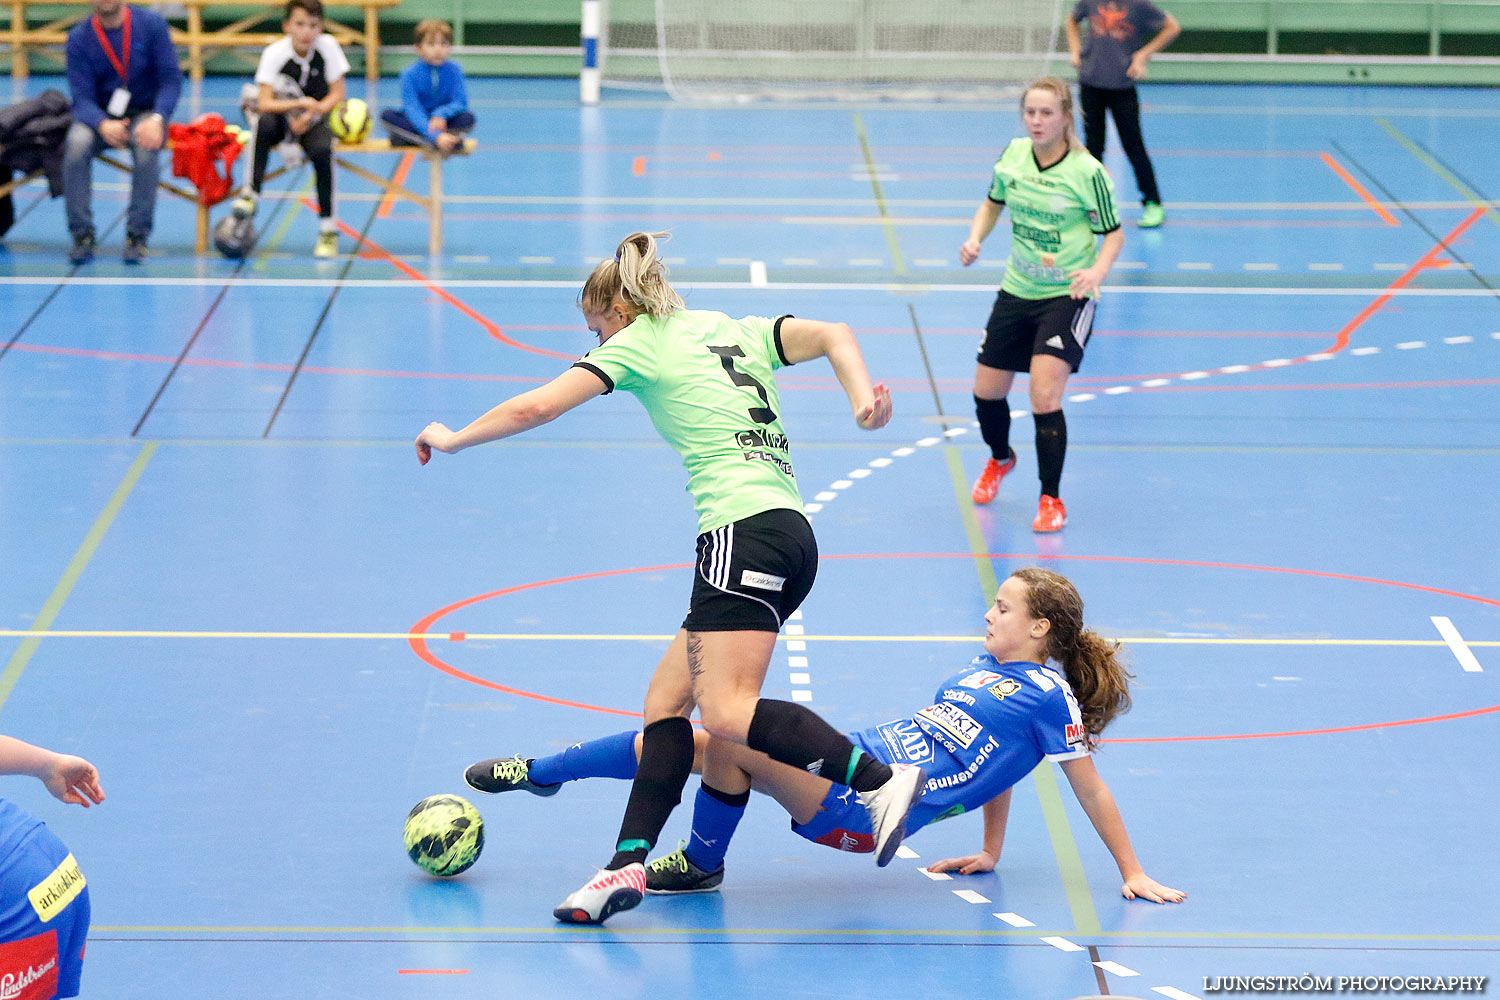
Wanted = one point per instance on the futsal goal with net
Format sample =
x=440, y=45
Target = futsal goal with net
x=744, y=50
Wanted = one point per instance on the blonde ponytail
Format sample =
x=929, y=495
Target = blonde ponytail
x=1091, y=663
x=636, y=275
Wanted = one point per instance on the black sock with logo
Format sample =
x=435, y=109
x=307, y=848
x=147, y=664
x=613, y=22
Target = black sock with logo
x=666, y=761
x=794, y=735
x=994, y=425
x=1051, y=447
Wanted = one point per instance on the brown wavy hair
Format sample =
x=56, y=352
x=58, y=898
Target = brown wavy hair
x=636, y=275
x=1059, y=87
x=1091, y=663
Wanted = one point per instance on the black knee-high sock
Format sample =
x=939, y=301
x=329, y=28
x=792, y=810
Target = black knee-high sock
x=797, y=736
x=994, y=425
x=1051, y=447
x=666, y=762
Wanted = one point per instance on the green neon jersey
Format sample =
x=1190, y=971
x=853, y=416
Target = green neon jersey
x=1056, y=214
x=707, y=384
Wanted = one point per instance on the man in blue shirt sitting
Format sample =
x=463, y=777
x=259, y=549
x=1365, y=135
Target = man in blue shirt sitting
x=434, y=103
x=123, y=72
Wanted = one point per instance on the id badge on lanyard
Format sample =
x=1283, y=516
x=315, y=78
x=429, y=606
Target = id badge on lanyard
x=119, y=101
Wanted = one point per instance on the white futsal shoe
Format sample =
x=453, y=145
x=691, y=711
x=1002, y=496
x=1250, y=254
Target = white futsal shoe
x=889, y=805
x=606, y=894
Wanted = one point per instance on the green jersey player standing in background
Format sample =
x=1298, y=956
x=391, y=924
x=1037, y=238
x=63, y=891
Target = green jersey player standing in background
x=1061, y=200
x=707, y=383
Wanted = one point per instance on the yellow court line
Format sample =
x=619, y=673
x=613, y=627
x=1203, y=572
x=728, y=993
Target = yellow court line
x=638, y=637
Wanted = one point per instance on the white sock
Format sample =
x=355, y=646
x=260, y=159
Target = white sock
x=327, y=226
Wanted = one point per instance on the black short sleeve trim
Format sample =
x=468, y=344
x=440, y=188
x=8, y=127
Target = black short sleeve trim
x=996, y=201
x=609, y=383
x=1105, y=232
x=776, y=335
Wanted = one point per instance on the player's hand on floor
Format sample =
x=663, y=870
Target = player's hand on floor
x=969, y=864
x=74, y=781
x=434, y=437
x=878, y=413
x=1145, y=887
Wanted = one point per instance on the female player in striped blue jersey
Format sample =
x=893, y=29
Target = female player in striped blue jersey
x=44, y=899
x=1061, y=200
x=989, y=725
x=707, y=383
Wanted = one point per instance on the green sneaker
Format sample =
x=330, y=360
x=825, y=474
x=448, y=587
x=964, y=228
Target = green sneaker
x=1151, y=216
x=673, y=874
x=505, y=774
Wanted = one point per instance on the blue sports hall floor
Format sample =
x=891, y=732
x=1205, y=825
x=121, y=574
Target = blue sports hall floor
x=228, y=583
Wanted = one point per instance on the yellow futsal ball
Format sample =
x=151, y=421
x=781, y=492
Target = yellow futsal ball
x=350, y=120
x=444, y=834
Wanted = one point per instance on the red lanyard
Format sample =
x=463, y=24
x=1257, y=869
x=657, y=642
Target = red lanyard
x=123, y=68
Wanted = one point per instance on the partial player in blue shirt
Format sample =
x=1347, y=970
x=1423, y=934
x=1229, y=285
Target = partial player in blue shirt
x=44, y=899
x=988, y=727
x=434, y=102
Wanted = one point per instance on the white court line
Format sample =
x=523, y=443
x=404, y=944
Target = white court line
x=811, y=508
x=1116, y=968
x=801, y=694
x=1015, y=920
x=796, y=661
x=1063, y=944
x=1458, y=340
x=936, y=876
x=1362, y=351
x=859, y=473
x=969, y=896
x=906, y=852
x=796, y=646
x=1455, y=642
x=803, y=679
x=840, y=484
x=879, y=463
x=1410, y=345
x=757, y=274
x=1172, y=993
x=826, y=496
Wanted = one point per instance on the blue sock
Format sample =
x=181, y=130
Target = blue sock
x=715, y=815
x=606, y=757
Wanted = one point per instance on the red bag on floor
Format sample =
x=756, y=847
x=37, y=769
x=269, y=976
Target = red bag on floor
x=197, y=151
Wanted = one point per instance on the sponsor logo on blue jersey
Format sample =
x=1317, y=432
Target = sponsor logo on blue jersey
x=954, y=694
x=907, y=742
x=1006, y=688
x=950, y=721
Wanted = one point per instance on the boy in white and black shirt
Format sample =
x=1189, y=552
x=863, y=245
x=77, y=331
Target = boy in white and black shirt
x=300, y=79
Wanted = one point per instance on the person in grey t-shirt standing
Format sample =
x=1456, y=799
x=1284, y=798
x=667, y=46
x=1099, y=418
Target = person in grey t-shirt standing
x=1123, y=36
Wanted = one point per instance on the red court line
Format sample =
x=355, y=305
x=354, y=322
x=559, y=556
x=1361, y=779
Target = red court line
x=423, y=627
x=638, y=166
x=402, y=169
x=380, y=252
x=432, y=972
x=1359, y=189
x=1308, y=732
x=270, y=366
x=1341, y=341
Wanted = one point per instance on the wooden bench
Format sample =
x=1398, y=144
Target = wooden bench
x=432, y=201
x=195, y=37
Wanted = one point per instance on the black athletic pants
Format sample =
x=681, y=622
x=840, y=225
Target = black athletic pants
x=1126, y=108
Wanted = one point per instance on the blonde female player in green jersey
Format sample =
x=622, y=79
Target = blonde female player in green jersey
x=706, y=380
x=1061, y=200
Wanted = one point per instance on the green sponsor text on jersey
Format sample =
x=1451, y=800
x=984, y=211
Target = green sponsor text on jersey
x=1056, y=215
x=706, y=381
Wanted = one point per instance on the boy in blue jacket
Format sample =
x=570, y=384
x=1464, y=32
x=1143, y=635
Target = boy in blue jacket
x=434, y=103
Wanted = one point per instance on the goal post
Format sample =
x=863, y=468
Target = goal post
x=742, y=50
